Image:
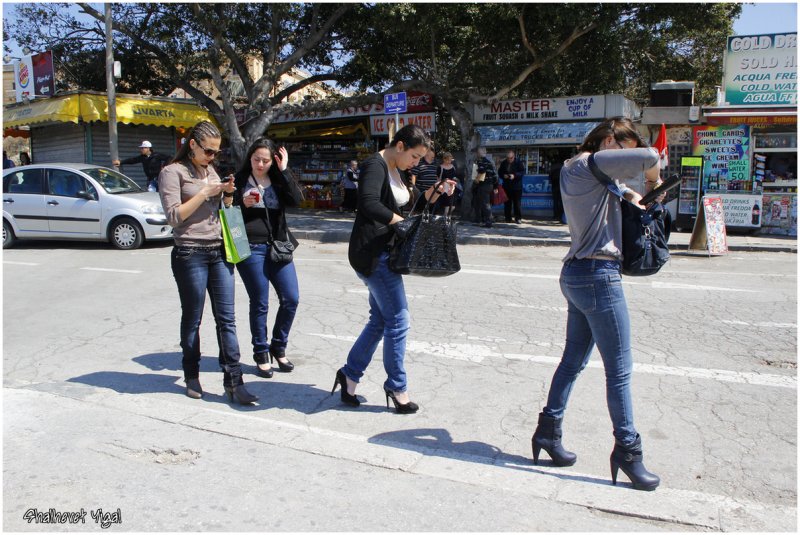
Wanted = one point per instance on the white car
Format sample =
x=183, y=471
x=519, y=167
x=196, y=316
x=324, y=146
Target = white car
x=80, y=202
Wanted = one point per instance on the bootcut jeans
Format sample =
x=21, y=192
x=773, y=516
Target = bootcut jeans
x=258, y=272
x=198, y=270
x=596, y=314
x=389, y=320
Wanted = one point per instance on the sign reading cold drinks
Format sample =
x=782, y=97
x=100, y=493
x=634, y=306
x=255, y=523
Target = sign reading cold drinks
x=761, y=70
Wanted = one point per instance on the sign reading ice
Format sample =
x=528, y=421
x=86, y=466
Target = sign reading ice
x=761, y=70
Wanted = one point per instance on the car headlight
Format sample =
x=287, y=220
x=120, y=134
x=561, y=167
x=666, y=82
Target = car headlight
x=152, y=209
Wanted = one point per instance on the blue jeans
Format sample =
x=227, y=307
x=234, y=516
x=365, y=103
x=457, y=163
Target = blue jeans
x=196, y=271
x=389, y=320
x=258, y=272
x=597, y=314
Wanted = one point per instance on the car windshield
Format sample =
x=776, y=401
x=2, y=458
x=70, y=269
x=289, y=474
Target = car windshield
x=112, y=181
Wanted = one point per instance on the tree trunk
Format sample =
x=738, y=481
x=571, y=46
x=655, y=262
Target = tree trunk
x=469, y=143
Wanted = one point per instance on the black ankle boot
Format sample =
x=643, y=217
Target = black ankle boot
x=629, y=459
x=547, y=437
x=240, y=395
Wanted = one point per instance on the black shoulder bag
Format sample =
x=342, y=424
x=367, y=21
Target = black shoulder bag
x=425, y=244
x=644, y=232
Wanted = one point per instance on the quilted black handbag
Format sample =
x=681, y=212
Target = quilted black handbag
x=644, y=232
x=425, y=245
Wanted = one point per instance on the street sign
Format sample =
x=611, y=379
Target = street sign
x=394, y=103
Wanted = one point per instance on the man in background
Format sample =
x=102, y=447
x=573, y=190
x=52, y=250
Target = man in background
x=152, y=162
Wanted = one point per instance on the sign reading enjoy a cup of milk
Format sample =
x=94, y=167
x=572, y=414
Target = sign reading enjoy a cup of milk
x=761, y=70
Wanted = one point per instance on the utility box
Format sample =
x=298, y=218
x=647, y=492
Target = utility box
x=671, y=93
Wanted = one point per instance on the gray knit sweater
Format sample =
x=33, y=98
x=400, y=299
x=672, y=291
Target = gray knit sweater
x=593, y=213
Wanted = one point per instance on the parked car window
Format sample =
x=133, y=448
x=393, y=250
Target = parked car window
x=25, y=181
x=112, y=181
x=65, y=183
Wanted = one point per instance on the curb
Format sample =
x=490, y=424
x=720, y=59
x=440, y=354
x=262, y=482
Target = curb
x=343, y=236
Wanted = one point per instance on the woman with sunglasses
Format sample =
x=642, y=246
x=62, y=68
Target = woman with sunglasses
x=264, y=188
x=191, y=192
x=597, y=313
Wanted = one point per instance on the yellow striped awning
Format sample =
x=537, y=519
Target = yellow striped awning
x=86, y=107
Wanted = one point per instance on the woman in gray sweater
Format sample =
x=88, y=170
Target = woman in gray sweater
x=591, y=282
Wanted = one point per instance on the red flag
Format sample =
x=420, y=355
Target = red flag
x=661, y=147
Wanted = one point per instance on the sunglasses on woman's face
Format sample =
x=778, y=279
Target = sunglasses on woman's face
x=210, y=153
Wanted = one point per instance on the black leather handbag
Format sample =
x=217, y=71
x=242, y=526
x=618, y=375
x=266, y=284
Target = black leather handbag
x=425, y=245
x=644, y=232
x=281, y=251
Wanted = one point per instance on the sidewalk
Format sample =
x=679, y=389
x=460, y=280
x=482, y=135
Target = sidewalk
x=330, y=226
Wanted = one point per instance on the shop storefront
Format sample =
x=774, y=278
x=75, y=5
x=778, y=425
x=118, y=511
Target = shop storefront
x=750, y=157
x=543, y=132
x=74, y=127
x=320, y=145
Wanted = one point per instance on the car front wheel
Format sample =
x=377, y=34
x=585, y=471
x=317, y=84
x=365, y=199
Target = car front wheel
x=126, y=234
x=8, y=235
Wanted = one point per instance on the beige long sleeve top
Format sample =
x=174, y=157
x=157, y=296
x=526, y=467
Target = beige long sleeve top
x=179, y=182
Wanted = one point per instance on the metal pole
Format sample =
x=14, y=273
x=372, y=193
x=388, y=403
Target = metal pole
x=111, y=90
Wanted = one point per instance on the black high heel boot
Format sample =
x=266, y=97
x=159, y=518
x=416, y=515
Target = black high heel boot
x=193, y=388
x=240, y=394
x=341, y=379
x=261, y=360
x=629, y=459
x=408, y=408
x=547, y=437
x=282, y=366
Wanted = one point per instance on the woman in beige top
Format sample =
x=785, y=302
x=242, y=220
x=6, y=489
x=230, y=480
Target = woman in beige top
x=191, y=191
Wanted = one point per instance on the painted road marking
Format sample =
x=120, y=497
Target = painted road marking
x=477, y=353
x=20, y=263
x=111, y=270
x=761, y=324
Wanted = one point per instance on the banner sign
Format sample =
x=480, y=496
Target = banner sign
x=534, y=134
x=761, y=70
x=726, y=154
x=537, y=196
x=742, y=210
x=416, y=102
x=34, y=76
x=541, y=110
x=779, y=214
x=379, y=124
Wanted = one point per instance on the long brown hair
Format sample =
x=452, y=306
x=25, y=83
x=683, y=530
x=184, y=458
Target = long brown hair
x=620, y=127
x=202, y=130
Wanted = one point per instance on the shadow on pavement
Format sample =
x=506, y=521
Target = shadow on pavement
x=439, y=443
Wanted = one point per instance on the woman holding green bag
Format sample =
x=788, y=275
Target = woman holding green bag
x=264, y=188
x=191, y=191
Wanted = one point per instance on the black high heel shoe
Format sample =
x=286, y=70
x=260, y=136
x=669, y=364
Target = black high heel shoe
x=341, y=380
x=547, y=437
x=261, y=360
x=240, y=394
x=401, y=408
x=282, y=366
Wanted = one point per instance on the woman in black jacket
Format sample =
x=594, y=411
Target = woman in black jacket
x=382, y=191
x=264, y=187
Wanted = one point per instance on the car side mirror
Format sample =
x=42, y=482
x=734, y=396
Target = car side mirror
x=86, y=195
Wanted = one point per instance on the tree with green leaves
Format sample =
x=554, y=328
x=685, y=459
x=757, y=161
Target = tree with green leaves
x=468, y=54
x=165, y=45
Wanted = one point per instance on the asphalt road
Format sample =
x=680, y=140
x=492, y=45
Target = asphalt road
x=95, y=416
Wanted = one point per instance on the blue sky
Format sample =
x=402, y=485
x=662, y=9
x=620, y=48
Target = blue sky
x=767, y=17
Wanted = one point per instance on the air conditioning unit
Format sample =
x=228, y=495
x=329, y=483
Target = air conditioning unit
x=672, y=93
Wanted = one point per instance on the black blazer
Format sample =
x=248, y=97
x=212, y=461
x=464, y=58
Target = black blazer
x=289, y=194
x=372, y=233
x=517, y=168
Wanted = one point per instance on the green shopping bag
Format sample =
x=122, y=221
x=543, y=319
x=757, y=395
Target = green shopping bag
x=237, y=248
